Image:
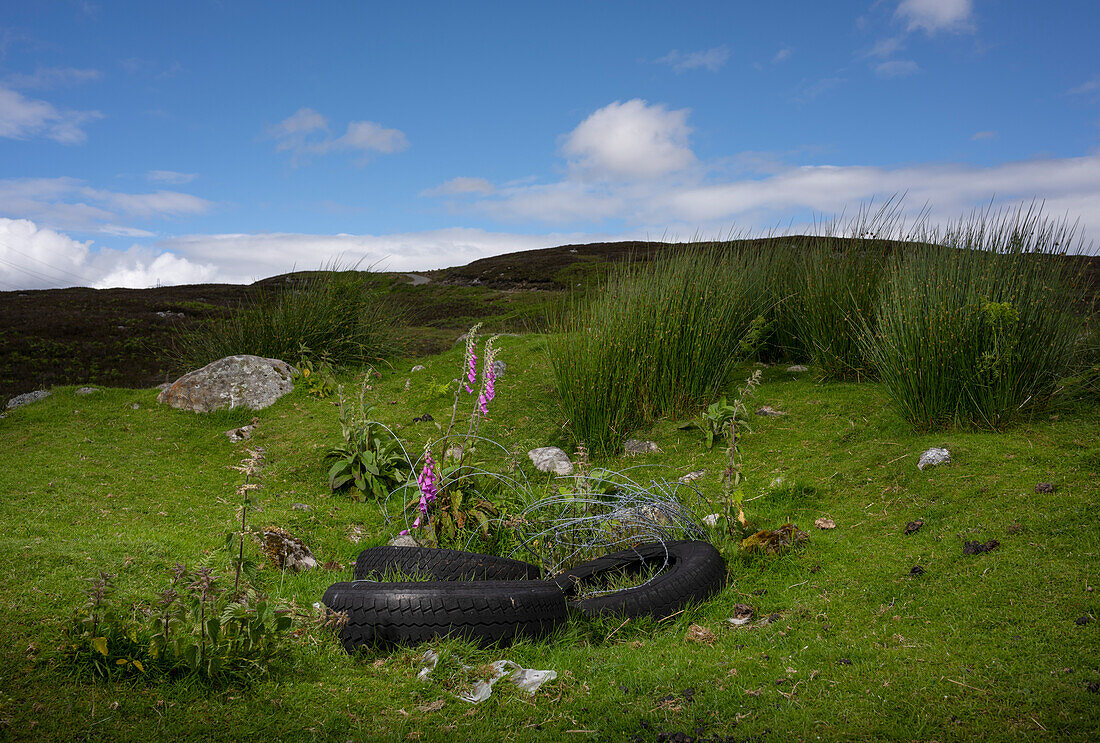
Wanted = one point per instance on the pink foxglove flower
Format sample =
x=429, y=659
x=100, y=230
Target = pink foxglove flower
x=428, y=482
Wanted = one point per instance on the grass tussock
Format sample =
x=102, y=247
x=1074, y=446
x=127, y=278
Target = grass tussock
x=975, y=325
x=335, y=312
x=659, y=339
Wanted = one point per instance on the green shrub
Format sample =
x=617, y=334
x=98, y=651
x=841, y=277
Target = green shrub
x=336, y=313
x=660, y=339
x=370, y=459
x=975, y=325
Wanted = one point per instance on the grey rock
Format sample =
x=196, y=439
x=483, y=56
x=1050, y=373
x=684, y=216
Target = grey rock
x=135, y=406
x=797, y=368
x=711, y=520
x=287, y=551
x=499, y=367
x=170, y=315
x=637, y=446
x=551, y=459
x=769, y=410
x=692, y=476
x=88, y=390
x=403, y=540
x=419, y=368
x=933, y=457
x=235, y=381
x=300, y=507
x=27, y=398
x=240, y=434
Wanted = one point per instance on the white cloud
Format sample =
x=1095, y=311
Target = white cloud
x=50, y=77
x=243, y=258
x=66, y=203
x=461, y=186
x=34, y=257
x=897, y=68
x=306, y=133
x=782, y=55
x=170, y=176
x=933, y=16
x=630, y=140
x=1089, y=88
x=887, y=47
x=810, y=90
x=983, y=136
x=711, y=59
x=24, y=118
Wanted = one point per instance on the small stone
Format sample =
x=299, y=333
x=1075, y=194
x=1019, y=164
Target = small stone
x=1044, y=487
x=933, y=457
x=403, y=540
x=913, y=526
x=287, y=551
x=797, y=368
x=240, y=434
x=135, y=406
x=499, y=367
x=88, y=390
x=711, y=520
x=916, y=570
x=300, y=507
x=355, y=534
x=769, y=410
x=634, y=447
x=692, y=476
x=1082, y=621
x=824, y=523
x=454, y=451
x=551, y=459
x=28, y=397
x=418, y=368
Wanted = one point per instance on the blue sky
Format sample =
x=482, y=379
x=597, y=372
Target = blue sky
x=166, y=142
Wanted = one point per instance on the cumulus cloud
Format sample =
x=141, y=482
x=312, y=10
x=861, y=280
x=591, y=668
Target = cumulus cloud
x=67, y=203
x=461, y=186
x=933, y=16
x=306, y=132
x=170, y=176
x=711, y=59
x=897, y=68
x=52, y=77
x=26, y=118
x=34, y=257
x=630, y=140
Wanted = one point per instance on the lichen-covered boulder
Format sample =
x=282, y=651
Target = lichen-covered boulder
x=236, y=381
x=551, y=459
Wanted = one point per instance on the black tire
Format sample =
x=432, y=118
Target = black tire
x=695, y=572
x=490, y=612
x=440, y=564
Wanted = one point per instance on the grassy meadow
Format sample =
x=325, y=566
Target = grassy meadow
x=848, y=641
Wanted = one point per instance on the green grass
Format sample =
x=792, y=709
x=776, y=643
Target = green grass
x=978, y=647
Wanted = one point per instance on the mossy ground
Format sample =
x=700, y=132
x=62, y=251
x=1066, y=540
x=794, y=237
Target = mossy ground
x=977, y=647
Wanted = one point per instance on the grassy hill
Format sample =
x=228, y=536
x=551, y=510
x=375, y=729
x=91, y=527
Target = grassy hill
x=864, y=632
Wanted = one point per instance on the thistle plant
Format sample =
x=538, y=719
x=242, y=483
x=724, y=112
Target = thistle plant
x=250, y=467
x=733, y=479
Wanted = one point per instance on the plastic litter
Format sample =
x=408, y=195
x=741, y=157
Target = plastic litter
x=527, y=679
x=429, y=660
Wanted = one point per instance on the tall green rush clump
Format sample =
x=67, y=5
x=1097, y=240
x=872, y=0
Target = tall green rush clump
x=974, y=325
x=333, y=312
x=659, y=339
